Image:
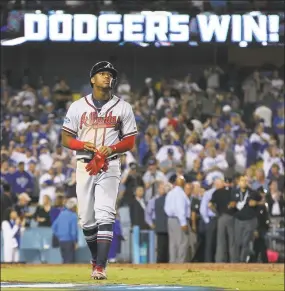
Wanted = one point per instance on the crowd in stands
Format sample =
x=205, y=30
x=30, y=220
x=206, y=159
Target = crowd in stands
x=217, y=126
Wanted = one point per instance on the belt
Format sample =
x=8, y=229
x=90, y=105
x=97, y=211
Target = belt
x=84, y=160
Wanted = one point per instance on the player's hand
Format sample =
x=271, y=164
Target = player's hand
x=106, y=151
x=88, y=146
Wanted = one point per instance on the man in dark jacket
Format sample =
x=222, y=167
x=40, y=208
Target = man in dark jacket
x=223, y=204
x=160, y=225
x=137, y=209
x=6, y=200
x=245, y=219
x=259, y=246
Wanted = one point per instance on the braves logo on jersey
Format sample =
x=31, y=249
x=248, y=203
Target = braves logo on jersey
x=92, y=120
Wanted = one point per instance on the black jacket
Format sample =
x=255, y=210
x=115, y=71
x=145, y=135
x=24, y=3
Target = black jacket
x=263, y=219
x=270, y=203
x=137, y=214
x=247, y=212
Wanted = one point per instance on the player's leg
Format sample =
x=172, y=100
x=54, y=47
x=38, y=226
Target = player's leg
x=106, y=191
x=85, y=197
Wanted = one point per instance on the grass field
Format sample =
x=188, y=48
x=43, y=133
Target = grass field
x=228, y=276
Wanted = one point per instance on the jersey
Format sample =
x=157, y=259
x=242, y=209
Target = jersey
x=107, y=127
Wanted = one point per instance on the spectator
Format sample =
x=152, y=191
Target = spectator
x=177, y=209
x=276, y=176
x=21, y=181
x=22, y=208
x=151, y=179
x=213, y=166
x=276, y=203
x=150, y=91
x=66, y=230
x=192, y=150
x=42, y=213
x=11, y=231
x=168, y=164
x=47, y=185
x=6, y=200
x=278, y=125
x=131, y=179
x=57, y=207
x=212, y=76
x=6, y=131
x=260, y=180
x=270, y=157
x=60, y=154
x=34, y=173
x=251, y=88
x=137, y=209
x=196, y=170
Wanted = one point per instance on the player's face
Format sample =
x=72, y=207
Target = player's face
x=102, y=80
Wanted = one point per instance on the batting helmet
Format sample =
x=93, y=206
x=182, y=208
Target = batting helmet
x=104, y=66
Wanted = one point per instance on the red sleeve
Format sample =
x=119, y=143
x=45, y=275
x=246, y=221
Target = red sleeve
x=124, y=145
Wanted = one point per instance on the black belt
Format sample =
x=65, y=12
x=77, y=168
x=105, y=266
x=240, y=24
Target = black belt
x=84, y=160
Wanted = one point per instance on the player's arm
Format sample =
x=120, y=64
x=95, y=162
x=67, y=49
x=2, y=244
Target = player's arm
x=129, y=131
x=69, y=131
x=68, y=140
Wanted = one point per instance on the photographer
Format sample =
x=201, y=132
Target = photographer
x=130, y=180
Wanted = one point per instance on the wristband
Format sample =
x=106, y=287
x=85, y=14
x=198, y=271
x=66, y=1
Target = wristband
x=113, y=148
x=76, y=145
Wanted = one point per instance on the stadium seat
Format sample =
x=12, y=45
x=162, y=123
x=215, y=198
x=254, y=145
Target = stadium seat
x=82, y=255
x=51, y=256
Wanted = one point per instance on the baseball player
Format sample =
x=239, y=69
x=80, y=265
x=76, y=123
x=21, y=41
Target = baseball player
x=99, y=127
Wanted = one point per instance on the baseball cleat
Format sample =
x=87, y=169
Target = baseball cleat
x=99, y=273
x=93, y=267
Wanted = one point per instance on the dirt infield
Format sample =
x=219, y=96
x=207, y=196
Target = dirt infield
x=191, y=267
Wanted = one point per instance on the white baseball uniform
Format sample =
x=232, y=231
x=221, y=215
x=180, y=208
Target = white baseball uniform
x=97, y=195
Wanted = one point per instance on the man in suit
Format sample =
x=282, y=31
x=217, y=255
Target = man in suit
x=137, y=209
x=160, y=224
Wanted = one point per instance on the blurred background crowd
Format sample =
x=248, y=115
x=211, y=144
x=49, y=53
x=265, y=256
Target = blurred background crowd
x=211, y=126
